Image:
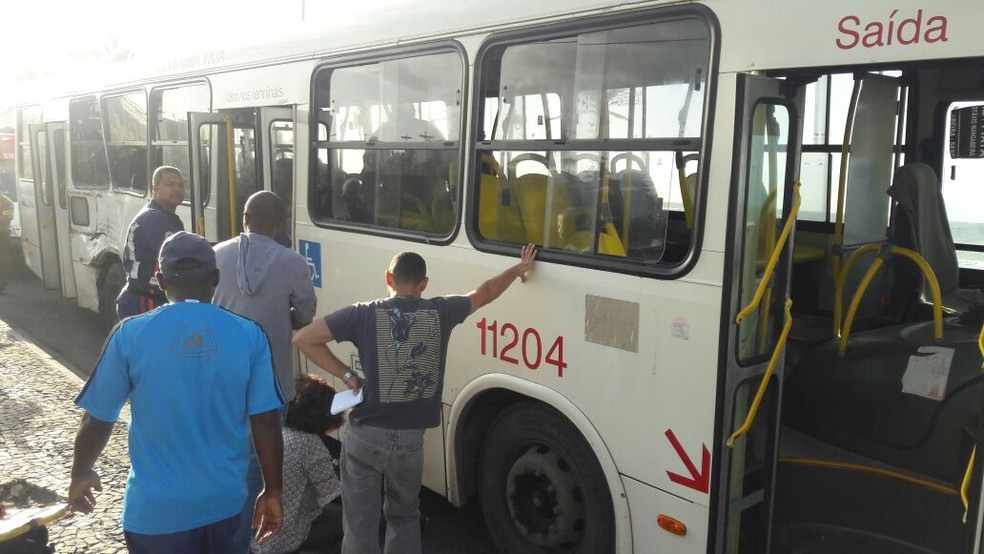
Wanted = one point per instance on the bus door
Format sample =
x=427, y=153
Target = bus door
x=765, y=198
x=230, y=161
x=44, y=197
x=277, y=155
x=57, y=139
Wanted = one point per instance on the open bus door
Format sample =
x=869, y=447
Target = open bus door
x=57, y=142
x=44, y=200
x=765, y=171
x=230, y=162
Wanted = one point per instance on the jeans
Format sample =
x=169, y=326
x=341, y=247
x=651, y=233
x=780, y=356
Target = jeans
x=387, y=460
x=215, y=538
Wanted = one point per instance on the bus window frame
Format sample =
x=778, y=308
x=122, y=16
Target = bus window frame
x=375, y=57
x=154, y=95
x=120, y=187
x=567, y=29
x=72, y=142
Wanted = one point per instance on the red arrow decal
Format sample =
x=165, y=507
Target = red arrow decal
x=700, y=481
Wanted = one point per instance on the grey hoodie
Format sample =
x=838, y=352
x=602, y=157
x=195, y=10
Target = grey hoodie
x=269, y=280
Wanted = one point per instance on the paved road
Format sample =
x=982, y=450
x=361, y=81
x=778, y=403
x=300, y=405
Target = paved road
x=74, y=337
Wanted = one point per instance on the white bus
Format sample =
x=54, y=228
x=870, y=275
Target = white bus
x=754, y=324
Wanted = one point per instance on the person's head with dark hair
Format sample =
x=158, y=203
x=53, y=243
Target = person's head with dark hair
x=407, y=274
x=264, y=213
x=187, y=268
x=310, y=410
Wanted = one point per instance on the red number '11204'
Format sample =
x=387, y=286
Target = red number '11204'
x=528, y=341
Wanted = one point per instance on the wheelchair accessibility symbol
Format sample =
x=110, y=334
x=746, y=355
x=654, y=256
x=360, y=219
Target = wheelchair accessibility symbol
x=312, y=253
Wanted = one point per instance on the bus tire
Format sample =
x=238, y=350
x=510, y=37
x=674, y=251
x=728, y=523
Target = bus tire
x=541, y=487
x=111, y=281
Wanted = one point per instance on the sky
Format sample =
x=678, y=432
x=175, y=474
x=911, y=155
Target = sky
x=45, y=38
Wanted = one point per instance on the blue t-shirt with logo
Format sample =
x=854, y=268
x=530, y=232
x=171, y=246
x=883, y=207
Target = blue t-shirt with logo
x=402, y=344
x=193, y=373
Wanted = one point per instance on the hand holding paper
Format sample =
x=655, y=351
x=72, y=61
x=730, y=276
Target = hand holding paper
x=345, y=400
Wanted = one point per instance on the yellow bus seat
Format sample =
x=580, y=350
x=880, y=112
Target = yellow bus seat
x=535, y=194
x=575, y=230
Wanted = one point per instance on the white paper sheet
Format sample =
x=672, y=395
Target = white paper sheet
x=928, y=372
x=345, y=400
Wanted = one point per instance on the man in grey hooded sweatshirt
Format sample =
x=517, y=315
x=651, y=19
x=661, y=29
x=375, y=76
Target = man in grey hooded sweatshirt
x=273, y=288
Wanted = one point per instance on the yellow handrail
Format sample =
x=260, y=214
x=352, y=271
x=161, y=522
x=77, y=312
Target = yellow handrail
x=934, y=287
x=965, y=484
x=773, y=258
x=838, y=240
x=841, y=278
x=764, y=383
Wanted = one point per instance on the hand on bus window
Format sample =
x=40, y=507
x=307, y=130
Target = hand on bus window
x=527, y=256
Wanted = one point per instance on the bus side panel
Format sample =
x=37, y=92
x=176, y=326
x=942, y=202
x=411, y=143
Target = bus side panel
x=648, y=503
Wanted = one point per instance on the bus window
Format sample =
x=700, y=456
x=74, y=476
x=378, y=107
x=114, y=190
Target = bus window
x=584, y=132
x=126, y=140
x=387, y=143
x=89, y=165
x=767, y=179
x=25, y=118
x=169, y=138
x=963, y=163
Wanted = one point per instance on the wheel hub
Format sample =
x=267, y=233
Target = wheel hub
x=545, y=499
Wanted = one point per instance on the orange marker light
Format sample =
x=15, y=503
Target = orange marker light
x=673, y=526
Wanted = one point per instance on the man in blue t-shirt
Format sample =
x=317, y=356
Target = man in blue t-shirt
x=152, y=224
x=402, y=342
x=199, y=379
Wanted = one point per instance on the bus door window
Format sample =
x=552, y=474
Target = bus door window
x=963, y=165
x=126, y=140
x=169, y=135
x=282, y=173
x=90, y=167
x=246, y=181
x=387, y=151
x=583, y=131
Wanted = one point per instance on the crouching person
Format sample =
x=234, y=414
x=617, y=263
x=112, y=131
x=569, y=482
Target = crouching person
x=312, y=522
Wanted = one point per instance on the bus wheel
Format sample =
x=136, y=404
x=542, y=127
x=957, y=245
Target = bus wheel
x=111, y=281
x=541, y=488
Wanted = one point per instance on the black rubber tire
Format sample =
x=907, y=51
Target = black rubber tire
x=541, y=487
x=111, y=281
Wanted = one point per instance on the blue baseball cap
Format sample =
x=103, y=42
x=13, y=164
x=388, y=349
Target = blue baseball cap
x=186, y=255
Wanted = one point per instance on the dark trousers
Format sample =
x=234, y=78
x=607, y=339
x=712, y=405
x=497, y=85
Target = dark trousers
x=130, y=303
x=215, y=538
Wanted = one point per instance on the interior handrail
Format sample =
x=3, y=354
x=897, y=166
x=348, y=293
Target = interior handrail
x=764, y=383
x=934, y=286
x=968, y=475
x=773, y=257
x=840, y=280
x=838, y=240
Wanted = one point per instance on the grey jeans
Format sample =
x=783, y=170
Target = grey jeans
x=390, y=461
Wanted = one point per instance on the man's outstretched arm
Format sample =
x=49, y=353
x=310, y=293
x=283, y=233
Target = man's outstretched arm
x=494, y=287
x=90, y=441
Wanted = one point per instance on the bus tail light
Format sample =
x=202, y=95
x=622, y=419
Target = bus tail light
x=672, y=525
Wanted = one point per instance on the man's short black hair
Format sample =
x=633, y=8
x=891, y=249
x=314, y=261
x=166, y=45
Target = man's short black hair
x=408, y=268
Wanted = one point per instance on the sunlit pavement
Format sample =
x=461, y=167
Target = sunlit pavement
x=37, y=431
